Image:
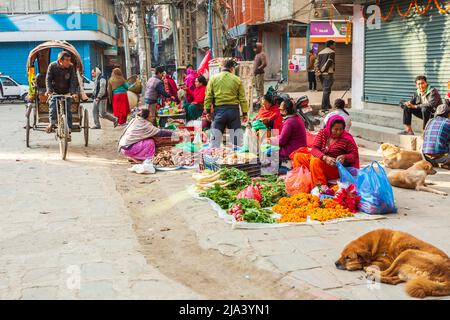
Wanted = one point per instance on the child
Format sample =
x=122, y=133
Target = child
x=339, y=109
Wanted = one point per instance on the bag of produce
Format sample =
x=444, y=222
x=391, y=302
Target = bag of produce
x=298, y=180
x=375, y=190
x=251, y=192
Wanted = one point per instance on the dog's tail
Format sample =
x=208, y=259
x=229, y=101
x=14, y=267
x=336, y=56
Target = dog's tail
x=422, y=287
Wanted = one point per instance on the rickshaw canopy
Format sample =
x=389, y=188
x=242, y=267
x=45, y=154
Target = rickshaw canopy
x=42, y=54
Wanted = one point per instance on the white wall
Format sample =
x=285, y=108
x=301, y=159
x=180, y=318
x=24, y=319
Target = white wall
x=358, y=58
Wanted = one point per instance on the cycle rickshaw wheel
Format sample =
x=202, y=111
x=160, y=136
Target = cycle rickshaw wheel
x=63, y=134
x=86, y=127
x=28, y=127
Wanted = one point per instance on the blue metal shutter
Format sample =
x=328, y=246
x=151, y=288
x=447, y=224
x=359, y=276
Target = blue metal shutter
x=404, y=48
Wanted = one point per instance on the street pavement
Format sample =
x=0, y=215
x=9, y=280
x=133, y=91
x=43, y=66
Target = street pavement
x=87, y=228
x=64, y=230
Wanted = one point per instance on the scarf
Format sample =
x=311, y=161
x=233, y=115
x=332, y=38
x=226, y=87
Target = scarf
x=115, y=82
x=139, y=129
x=271, y=114
x=345, y=134
x=190, y=79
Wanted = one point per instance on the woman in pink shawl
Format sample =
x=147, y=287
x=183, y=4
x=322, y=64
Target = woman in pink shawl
x=136, y=142
x=189, y=82
x=332, y=144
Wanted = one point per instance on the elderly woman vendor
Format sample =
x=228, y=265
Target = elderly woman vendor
x=331, y=145
x=136, y=142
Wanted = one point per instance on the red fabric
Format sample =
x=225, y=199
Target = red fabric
x=320, y=171
x=344, y=145
x=272, y=114
x=199, y=95
x=171, y=87
x=204, y=65
x=121, y=107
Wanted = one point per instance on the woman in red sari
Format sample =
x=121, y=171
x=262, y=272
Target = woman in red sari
x=331, y=145
x=117, y=95
x=269, y=114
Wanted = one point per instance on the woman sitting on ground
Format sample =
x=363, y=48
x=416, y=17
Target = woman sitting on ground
x=331, y=145
x=195, y=109
x=293, y=132
x=136, y=142
x=339, y=106
x=269, y=113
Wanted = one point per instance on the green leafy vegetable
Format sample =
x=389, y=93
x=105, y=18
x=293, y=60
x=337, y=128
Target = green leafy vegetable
x=237, y=179
x=222, y=196
x=256, y=215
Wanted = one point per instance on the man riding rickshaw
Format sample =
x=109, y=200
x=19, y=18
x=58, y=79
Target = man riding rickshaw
x=55, y=93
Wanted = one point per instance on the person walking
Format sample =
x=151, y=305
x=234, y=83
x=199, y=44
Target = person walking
x=153, y=90
x=117, y=95
x=259, y=65
x=100, y=100
x=324, y=67
x=311, y=74
x=227, y=92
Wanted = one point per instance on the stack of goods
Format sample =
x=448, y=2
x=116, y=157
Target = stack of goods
x=171, y=109
x=183, y=158
x=243, y=198
x=163, y=158
x=247, y=162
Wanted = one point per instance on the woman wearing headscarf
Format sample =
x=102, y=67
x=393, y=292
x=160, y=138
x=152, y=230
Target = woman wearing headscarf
x=137, y=142
x=195, y=109
x=333, y=144
x=269, y=113
x=117, y=95
x=189, y=82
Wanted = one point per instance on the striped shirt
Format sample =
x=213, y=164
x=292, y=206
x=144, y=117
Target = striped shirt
x=436, y=138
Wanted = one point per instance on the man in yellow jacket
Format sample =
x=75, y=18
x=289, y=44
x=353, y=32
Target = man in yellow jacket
x=226, y=92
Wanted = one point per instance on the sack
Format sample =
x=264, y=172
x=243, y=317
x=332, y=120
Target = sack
x=251, y=192
x=372, y=185
x=298, y=180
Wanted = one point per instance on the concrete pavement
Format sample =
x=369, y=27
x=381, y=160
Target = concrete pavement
x=65, y=232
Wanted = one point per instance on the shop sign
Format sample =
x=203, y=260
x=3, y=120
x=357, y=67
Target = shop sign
x=322, y=31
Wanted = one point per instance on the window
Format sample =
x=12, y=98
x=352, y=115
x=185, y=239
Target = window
x=8, y=82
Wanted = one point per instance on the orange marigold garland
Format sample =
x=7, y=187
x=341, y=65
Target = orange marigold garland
x=298, y=207
x=441, y=10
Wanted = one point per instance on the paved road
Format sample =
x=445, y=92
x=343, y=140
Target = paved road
x=64, y=229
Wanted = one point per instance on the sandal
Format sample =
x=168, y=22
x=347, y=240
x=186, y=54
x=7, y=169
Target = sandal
x=50, y=128
x=406, y=133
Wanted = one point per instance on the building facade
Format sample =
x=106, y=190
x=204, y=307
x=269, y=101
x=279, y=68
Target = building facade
x=87, y=24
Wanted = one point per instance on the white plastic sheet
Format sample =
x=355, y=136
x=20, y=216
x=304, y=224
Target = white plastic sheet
x=223, y=214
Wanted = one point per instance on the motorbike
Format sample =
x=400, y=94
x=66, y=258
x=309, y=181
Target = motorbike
x=304, y=110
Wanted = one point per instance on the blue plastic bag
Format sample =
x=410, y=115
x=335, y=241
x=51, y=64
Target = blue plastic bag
x=373, y=186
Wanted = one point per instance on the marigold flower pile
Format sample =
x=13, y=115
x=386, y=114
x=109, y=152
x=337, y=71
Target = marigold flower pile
x=299, y=206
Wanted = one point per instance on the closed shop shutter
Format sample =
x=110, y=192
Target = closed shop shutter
x=404, y=48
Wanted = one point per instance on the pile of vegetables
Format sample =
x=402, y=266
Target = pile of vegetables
x=250, y=211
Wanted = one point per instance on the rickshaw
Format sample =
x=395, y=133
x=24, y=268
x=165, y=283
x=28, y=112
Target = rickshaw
x=38, y=101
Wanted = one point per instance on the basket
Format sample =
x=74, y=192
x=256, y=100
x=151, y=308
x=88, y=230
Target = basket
x=134, y=80
x=209, y=163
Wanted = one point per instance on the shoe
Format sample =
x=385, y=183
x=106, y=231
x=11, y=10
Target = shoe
x=406, y=133
x=115, y=123
x=96, y=127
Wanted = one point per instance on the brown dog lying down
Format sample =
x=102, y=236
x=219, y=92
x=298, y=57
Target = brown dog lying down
x=398, y=158
x=414, y=177
x=394, y=257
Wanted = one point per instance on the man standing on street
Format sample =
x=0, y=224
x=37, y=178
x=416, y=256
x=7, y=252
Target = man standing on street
x=154, y=89
x=311, y=74
x=259, y=65
x=100, y=100
x=61, y=79
x=226, y=92
x=325, y=66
